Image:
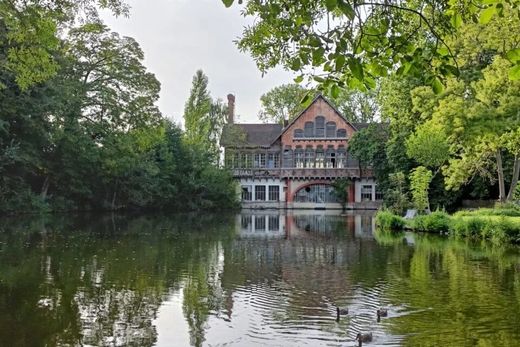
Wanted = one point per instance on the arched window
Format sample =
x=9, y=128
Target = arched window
x=316, y=193
x=331, y=129
x=320, y=126
x=309, y=129
x=298, y=133
x=342, y=133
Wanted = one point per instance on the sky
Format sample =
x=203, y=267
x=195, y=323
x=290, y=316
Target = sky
x=180, y=36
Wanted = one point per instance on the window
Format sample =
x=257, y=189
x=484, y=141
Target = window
x=341, y=159
x=309, y=157
x=317, y=193
x=298, y=157
x=274, y=193
x=228, y=159
x=320, y=126
x=309, y=129
x=379, y=193
x=246, y=222
x=298, y=133
x=260, y=223
x=260, y=160
x=247, y=160
x=342, y=133
x=320, y=157
x=273, y=160
x=247, y=193
x=287, y=158
x=236, y=160
x=331, y=129
x=366, y=193
x=274, y=223
x=260, y=193
x=331, y=158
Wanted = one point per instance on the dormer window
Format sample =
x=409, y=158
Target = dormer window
x=331, y=129
x=320, y=126
x=309, y=129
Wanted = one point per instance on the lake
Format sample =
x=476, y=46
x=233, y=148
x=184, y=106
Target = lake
x=258, y=278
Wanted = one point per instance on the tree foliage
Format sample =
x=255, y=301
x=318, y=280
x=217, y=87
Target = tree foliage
x=420, y=179
x=354, y=43
x=92, y=137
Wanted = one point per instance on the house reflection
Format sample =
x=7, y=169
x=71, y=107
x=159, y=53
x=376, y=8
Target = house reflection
x=291, y=224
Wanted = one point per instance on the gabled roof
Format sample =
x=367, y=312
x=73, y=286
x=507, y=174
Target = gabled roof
x=319, y=96
x=261, y=135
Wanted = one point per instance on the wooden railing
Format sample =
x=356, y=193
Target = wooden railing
x=314, y=173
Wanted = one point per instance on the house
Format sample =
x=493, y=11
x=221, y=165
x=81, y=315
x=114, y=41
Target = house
x=294, y=166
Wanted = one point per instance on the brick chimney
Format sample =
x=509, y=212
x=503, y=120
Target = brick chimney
x=231, y=108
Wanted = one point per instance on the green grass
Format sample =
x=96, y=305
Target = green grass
x=388, y=221
x=501, y=225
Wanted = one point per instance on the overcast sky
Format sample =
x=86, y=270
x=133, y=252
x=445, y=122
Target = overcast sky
x=180, y=36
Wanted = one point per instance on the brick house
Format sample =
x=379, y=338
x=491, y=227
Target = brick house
x=294, y=166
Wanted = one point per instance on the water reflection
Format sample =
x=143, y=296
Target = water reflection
x=256, y=278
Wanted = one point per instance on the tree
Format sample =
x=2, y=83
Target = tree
x=204, y=118
x=341, y=190
x=32, y=29
x=282, y=103
x=420, y=179
x=354, y=43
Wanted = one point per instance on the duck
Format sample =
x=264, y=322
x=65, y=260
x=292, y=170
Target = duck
x=341, y=312
x=366, y=337
x=382, y=312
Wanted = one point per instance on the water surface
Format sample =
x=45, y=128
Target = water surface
x=252, y=279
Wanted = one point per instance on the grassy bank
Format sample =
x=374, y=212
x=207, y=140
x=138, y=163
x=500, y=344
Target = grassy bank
x=499, y=225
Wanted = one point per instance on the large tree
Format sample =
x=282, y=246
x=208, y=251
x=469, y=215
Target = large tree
x=282, y=103
x=204, y=117
x=342, y=43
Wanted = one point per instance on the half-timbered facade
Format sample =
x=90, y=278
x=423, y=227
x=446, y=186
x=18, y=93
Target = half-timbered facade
x=294, y=166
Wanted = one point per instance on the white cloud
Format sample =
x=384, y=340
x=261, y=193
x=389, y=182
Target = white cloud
x=181, y=36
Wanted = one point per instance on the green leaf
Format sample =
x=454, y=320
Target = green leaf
x=456, y=20
x=319, y=79
x=514, y=73
x=356, y=67
x=296, y=64
x=228, y=3
x=452, y=70
x=437, y=86
x=334, y=90
x=340, y=62
x=331, y=4
x=514, y=55
x=298, y=79
x=487, y=14
x=306, y=98
x=347, y=9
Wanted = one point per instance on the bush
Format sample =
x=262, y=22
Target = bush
x=436, y=222
x=510, y=210
x=386, y=220
x=497, y=229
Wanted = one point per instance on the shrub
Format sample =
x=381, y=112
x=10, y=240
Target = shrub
x=436, y=222
x=386, y=220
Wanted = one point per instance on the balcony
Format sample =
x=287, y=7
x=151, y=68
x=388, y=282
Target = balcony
x=302, y=173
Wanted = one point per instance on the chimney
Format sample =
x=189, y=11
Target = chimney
x=285, y=123
x=231, y=108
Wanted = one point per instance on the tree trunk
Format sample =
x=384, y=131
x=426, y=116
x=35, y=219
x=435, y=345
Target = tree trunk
x=501, y=184
x=45, y=188
x=514, y=178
